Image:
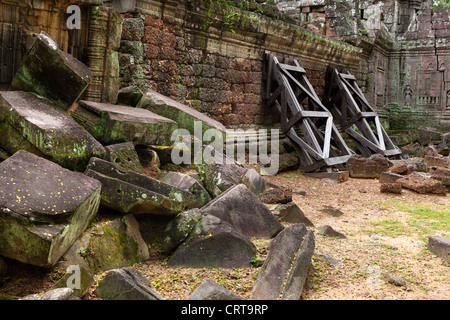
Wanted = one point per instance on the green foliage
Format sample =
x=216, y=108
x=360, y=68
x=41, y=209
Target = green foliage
x=440, y=4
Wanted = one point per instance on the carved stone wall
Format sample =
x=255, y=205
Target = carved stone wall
x=405, y=53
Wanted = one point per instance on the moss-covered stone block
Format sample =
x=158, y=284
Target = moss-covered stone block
x=51, y=73
x=31, y=123
x=43, y=208
x=113, y=124
x=131, y=192
x=182, y=114
x=112, y=244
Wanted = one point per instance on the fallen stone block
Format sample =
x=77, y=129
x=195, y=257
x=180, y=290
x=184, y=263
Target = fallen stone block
x=400, y=168
x=178, y=229
x=51, y=73
x=394, y=280
x=214, y=243
x=327, y=230
x=389, y=177
x=185, y=116
x=78, y=278
x=220, y=175
x=291, y=213
x=421, y=184
x=111, y=124
x=3, y=268
x=340, y=176
x=254, y=181
x=427, y=135
x=276, y=195
x=44, y=208
x=242, y=209
x=126, y=284
x=437, y=161
x=131, y=192
x=115, y=244
x=334, y=212
x=440, y=246
x=209, y=290
x=284, y=271
x=360, y=167
x=187, y=183
x=443, y=175
x=53, y=294
x=391, y=188
x=416, y=164
x=129, y=96
x=124, y=155
x=30, y=123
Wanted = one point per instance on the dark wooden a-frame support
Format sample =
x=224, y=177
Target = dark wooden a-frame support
x=349, y=107
x=286, y=89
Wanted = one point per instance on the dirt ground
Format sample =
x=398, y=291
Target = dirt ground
x=385, y=234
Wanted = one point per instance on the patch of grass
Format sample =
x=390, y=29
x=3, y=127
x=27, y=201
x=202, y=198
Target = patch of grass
x=391, y=228
x=432, y=218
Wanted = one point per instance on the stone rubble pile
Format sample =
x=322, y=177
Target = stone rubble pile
x=68, y=160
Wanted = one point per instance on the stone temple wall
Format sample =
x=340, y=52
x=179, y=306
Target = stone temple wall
x=210, y=57
x=405, y=53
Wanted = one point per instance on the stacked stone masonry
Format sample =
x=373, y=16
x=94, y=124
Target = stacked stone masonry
x=210, y=56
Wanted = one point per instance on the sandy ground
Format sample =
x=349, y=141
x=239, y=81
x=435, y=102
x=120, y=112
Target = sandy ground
x=385, y=234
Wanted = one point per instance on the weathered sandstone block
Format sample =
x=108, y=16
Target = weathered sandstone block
x=44, y=208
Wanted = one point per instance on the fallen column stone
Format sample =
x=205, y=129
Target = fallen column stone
x=284, y=271
x=30, y=123
x=131, y=192
x=243, y=210
x=214, y=243
x=44, y=208
x=51, y=73
x=111, y=124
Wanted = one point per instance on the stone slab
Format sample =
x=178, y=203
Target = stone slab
x=131, y=192
x=51, y=73
x=182, y=114
x=243, y=210
x=44, y=208
x=214, y=243
x=113, y=124
x=284, y=271
x=31, y=123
